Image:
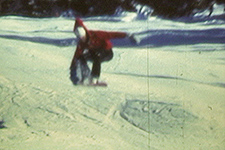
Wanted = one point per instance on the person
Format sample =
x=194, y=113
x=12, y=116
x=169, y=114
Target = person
x=211, y=8
x=94, y=46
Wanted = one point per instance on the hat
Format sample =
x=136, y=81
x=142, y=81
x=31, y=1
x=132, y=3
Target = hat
x=79, y=28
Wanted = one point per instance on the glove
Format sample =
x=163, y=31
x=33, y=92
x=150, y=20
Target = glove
x=133, y=39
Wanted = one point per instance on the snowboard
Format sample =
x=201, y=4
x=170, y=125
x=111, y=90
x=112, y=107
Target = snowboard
x=102, y=84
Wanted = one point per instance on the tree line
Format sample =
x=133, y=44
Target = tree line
x=55, y=8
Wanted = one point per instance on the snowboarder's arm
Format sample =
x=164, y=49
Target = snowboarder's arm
x=79, y=51
x=111, y=35
x=114, y=35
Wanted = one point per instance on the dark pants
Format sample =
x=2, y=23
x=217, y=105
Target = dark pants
x=97, y=57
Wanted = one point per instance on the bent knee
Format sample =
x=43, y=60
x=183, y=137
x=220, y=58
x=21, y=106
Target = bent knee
x=109, y=55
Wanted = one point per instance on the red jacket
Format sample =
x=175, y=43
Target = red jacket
x=96, y=39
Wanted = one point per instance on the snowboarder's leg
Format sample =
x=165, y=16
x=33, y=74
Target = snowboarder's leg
x=95, y=73
x=73, y=76
x=99, y=56
x=106, y=55
x=79, y=71
x=74, y=73
x=85, y=71
x=96, y=69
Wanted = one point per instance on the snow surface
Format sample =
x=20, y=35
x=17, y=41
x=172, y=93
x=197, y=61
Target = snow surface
x=166, y=92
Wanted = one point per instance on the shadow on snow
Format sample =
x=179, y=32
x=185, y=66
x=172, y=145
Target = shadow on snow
x=155, y=38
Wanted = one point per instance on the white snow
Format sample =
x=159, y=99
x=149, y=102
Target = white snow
x=167, y=92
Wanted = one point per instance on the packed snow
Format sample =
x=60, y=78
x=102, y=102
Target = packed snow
x=164, y=92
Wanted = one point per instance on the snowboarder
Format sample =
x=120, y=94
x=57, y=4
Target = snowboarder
x=94, y=46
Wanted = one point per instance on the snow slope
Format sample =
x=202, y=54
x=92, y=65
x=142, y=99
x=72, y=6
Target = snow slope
x=167, y=92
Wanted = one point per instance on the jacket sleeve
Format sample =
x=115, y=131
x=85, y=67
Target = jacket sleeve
x=79, y=51
x=112, y=35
